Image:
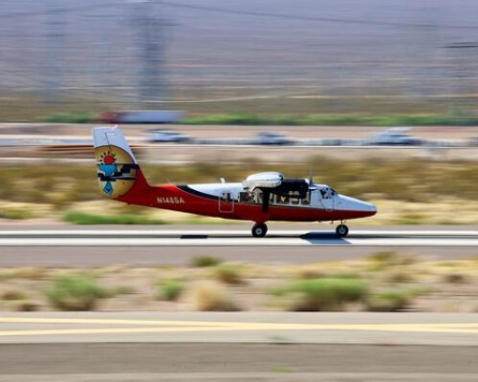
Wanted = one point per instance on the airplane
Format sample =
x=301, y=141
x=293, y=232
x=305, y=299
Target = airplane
x=260, y=198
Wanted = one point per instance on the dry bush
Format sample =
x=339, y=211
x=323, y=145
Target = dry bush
x=31, y=273
x=454, y=278
x=26, y=306
x=210, y=296
x=205, y=261
x=13, y=295
x=307, y=272
x=228, y=273
x=398, y=275
x=390, y=301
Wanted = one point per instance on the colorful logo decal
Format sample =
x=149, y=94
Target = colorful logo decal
x=116, y=170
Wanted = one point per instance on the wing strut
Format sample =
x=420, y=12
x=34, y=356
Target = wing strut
x=265, y=200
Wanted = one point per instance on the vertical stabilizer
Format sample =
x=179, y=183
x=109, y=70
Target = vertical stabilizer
x=118, y=169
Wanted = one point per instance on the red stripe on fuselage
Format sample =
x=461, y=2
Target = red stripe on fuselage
x=172, y=197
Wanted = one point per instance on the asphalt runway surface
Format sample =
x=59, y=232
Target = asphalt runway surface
x=186, y=346
x=176, y=245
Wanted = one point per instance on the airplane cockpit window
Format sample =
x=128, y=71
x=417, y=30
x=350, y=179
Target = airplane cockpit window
x=328, y=193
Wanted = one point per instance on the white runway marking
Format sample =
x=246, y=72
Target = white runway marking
x=133, y=238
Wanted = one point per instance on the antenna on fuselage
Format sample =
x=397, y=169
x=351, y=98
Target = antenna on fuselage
x=311, y=176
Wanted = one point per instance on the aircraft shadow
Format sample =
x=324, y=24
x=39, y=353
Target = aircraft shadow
x=312, y=237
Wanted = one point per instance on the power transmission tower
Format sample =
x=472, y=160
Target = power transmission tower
x=148, y=28
x=53, y=62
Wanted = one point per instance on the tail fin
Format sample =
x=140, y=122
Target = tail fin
x=118, y=171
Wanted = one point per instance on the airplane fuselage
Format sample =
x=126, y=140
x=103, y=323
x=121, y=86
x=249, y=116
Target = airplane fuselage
x=232, y=201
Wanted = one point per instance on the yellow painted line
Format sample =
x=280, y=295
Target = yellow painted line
x=463, y=328
x=217, y=324
x=46, y=332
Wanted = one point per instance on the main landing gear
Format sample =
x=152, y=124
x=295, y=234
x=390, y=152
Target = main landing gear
x=342, y=230
x=259, y=230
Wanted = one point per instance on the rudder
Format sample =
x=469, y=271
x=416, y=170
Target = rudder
x=118, y=170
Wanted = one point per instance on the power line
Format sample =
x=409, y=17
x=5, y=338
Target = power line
x=312, y=18
x=16, y=15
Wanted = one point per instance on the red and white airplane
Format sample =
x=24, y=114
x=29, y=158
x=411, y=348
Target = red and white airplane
x=260, y=198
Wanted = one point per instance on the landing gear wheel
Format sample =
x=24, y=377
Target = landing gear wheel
x=259, y=230
x=342, y=230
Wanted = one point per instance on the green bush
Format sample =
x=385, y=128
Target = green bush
x=228, y=273
x=170, y=290
x=205, y=261
x=78, y=117
x=332, y=119
x=75, y=293
x=322, y=294
x=390, y=301
x=90, y=219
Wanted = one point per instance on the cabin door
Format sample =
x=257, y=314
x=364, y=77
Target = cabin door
x=226, y=202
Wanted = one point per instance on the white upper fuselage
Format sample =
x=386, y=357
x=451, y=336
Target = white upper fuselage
x=321, y=197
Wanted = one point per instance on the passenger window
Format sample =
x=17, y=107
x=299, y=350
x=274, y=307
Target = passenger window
x=306, y=200
x=226, y=196
x=282, y=199
x=295, y=198
x=244, y=197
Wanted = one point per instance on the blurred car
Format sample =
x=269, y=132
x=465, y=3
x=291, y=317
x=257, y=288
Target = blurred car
x=165, y=136
x=393, y=137
x=270, y=138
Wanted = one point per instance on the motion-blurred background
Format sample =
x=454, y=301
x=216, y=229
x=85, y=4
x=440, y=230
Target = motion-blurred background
x=321, y=87
x=377, y=98
x=267, y=57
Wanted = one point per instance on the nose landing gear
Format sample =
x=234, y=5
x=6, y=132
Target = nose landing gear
x=342, y=230
x=259, y=230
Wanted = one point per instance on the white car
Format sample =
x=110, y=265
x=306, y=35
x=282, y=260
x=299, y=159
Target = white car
x=269, y=138
x=394, y=137
x=165, y=136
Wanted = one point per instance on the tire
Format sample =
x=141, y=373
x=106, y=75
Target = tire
x=259, y=230
x=342, y=230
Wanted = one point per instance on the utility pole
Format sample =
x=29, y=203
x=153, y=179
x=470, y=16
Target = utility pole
x=53, y=61
x=148, y=28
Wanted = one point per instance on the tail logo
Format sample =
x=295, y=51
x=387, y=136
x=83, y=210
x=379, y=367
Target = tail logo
x=116, y=170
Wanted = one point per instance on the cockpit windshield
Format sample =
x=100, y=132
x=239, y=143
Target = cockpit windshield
x=327, y=193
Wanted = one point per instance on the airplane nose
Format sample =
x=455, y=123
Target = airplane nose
x=372, y=208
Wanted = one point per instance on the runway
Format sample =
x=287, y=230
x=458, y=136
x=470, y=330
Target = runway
x=242, y=238
x=185, y=346
x=69, y=246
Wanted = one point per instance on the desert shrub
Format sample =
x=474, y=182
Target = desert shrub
x=308, y=272
x=170, y=290
x=454, y=278
x=398, y=275
x=390, y=301
x=26, y=306
x=322, y=294
x=205, y=261
x=385, y=259
x=228, y=273
x=75, y=293
x=31, y=273
x=210, y=296
x=16, y=213
x=13, y=295
x=123, y=289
